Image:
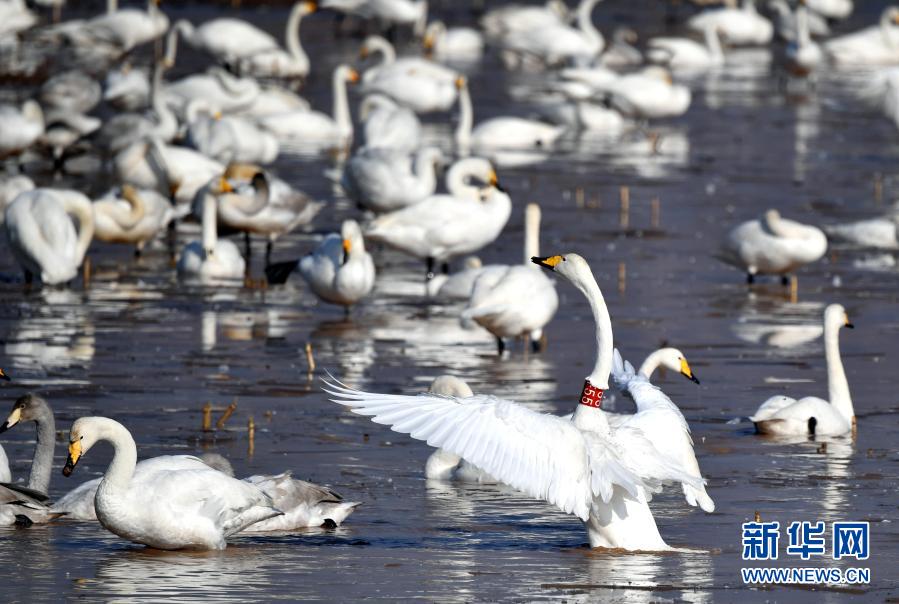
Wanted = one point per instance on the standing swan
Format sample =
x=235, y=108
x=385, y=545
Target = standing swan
x=172, y=509
x=785, y=416
x=212, y=258
x=276, y=62
x=602, y=476
x=42, y=236
x=384, y=180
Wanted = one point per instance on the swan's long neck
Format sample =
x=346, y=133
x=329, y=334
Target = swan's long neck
x=426, y=170
x=83, y=211
x=457, y=180
x=466, y=121
x=292, y=33
x=341, y=105
x=780, y=227
x=713, y=43
x=112, y=6
x=138, y=208
x=124, y=458
x=803, y=37
x=531, y=234
x=886, y=20
x=650, y=364
x=591, y=416
x=837, y=385
x=42, y=465
x=585, y=22
x=388, y=53
x=210, y=232
x=167, y=123
x=181, y=28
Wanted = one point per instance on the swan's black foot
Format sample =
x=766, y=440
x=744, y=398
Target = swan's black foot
x=539, y=345
x=812, y=424
x=784, y=280
x=329, y=524
x=500, y=346
x=750, y=278
x=444, y=268
x=23, y=521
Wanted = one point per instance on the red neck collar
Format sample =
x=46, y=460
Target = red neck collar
x=591, y=396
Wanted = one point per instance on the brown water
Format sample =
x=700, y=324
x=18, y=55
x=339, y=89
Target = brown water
x=138, y=346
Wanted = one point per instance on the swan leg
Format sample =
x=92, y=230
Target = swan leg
x=29, y=277
x=784, y=280
x=750, y=278
x=246, y=242
x=500, y=346
x=268, y=252
x=430, y=264
x=444, y=268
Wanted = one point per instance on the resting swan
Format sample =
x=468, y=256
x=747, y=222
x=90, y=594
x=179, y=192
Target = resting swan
x=459, y=44
x=384, y=180
x=738, y=26
x=168, y=509
x=20, y=127
x=875, y=45
x=228, y=138
x=211, y=259
x=42, y=236
x=387, y=125
x=773, y=245
x=684, y=53
x=785, y=416
x=135, y=217
x=604, y=477
x=556, y=43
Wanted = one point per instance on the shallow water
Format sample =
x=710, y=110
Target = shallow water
x=139, y=347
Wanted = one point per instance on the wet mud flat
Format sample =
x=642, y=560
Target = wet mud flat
x=140, y=347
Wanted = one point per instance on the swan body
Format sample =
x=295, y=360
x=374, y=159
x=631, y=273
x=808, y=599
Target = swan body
x=738, y=26
x=517, y=17
x=604, y=477
x=127, y=87
x=340, y=270
x=169, y=509
x=117, y=32
x=230, y=138
x=133, y=217
x=455, y=44
x=211, y=259
x=71, y=91
x=384, y=180
x=786, y=21
x=20, y=127
x=773, y=245
x=277, y=62
x=832, y=9
x=582, y=116
x=557, y=43
x=683, y=53
x=273, y=100
x=459, y=285
x=305, y=505
x=171, y=168
x=226, y=38
x=803, y=55
x=10, y=187
x=621, y=52
x=387, y=125
x=875, y=45
x=43, y=237
x=216, y=87
x=441, y=227
x=15, y=17
x=650, y=93
x=785, y=416
x=878, y=233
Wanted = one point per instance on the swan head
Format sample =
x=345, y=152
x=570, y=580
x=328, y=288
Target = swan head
x=461, y=82
x=835, y=315
x=30, y=407
x=309, y=7
x=352, y=238
x=674, y=360
x=4, y=376
x=434, y=31
x=571, y=266
x=450, y=385
x=82, y=437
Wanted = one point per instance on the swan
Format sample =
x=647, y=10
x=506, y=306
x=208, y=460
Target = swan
x=71, y=92
x=441, y=227
x=273, y=99
x=262, y=204
x=133, y=217
x=276, y=62
x=557, y=43
x=832, y=9
x=385, y=124
x=500, y=133
x=226, y=38
x=305, y=505
x=5, y=474
x=211, y=259
x=683, y=53
x=517, y=17
x=458, y=286
x=604, y=477
x=316, y=129
x=223, y=91
x=42, y=236
x=127, y=87
x=786, y=21
x=10, y=187
x=170, y=509
x=785, y=416
x=168, y=168
x=803, y=55
x=773, y=245
x=621, y=52
x=117, y=32
x=877, y=233
x=15, y=17
x=649, y=93
x=875, y=45
x=583, y=116
x=395, y=12
x=419, y=84
x=456, y=44
x=228, y=138
x=521, y=300
x=738, y=26
x=20, y=127
x=384, y=180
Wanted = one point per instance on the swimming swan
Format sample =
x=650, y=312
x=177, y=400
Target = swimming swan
x=168, y=509
x=785, y=416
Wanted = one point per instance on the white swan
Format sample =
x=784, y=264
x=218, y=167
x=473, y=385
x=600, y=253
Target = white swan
x=117, y=32
x=649, y=93
x=20, y=127
x=557, y=43
x=580, y=465
x=211, y=259
x=387, y=125
x=458, y=44
x=127, y=87
x=228, y=138
x=773, y=245
x=421, y=85
x=42, y=236
x=739, y=26
x=220, y=89
x=133, y=217
x=15, y=17
x=274, y=99
x=521, y=300
x=785, y=416
x=877, y=233
x=517, y=17
x=621, y=52
x=71, y=91
x=500, y=133
x=803, y=55
x=305, y=505
x=441, y=227
x=10, y=187
x=384, y=180
x=316, y=129
x=683, y=53
x=786, y=21
x=227, y=38
x=276, y=62
x=171, y=509
x=874, y=45
x=832, y=9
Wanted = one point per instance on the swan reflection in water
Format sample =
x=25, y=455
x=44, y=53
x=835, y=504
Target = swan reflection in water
x=778, y=324
x=239, y=326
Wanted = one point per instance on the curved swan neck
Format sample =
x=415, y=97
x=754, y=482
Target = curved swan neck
x=83, y=211
x=292, y=32
x=587, y=284
x=651, y=363
x=466, y=121
x=458, y=175
x=837, y=385
x=531, y=234
x=124, y=458
x=426, y=168
x=181, y=28
x=341, y=108
x=210, y=232
x=166, y=123
x=138, y=208
x=585, y=20
x=42, y=464
x=379, y=44
x=257, y=202
x=713, y=43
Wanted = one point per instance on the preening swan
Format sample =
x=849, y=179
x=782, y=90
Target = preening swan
x=519, y=301
x=305, y=505
x=739, y=26
x=444, y=226
x=133, y=217
x=649, y=93
x=168, y=509
x=877, y=233
x=580, y=465
x=773, y=245
x=875, y=45
x=226, y=38
x=20, y=127
x=211, y=259
x=10, y=187
x=387, y=125
x=43, y=237
x=785, y=416
x=217, y=87
x=384, y=180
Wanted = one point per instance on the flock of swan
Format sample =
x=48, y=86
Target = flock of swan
x=199, y=147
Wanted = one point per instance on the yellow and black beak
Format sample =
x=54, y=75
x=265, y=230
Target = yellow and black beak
x=847, y=324
x=687, y=372
x=72, y=459
x=310, y=7
x=12, y=420
x=347, y=246
x=353, y=76
x=493, y=181
x=549, y=262
x=225, y=186
x=460, y=82
x=4, y=376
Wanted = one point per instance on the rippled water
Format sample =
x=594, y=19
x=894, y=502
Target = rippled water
x=139, y=347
